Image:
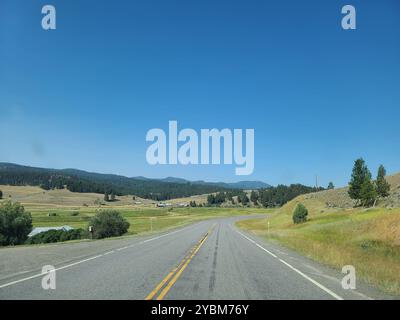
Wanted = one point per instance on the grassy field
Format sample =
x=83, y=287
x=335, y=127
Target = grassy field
x=35, y=196
x=141, y=220
x=368, y=239
x=62, y=207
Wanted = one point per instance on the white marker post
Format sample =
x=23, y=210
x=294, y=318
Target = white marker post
x=91, y=232
x=151, y=224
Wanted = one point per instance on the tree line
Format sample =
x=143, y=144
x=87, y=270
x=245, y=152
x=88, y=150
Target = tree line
x=281, y=194
x=270, y=197
x=85, y=182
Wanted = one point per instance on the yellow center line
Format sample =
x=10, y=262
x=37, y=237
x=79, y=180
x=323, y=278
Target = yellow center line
x=177, y=271
x=162, y=283
x=177, y=275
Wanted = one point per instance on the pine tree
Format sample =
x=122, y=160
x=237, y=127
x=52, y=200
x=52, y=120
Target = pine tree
x=331, y=186
x=359, y=176
x=382, y=186
x=254, y=197
x=1, y=194
x=368, y=193
x=106, y=197
x=244, y=199
x=112, y=196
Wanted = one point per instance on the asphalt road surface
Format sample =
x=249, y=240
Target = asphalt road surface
x=207, y=260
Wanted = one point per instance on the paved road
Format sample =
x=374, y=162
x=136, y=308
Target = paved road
x=208, y=260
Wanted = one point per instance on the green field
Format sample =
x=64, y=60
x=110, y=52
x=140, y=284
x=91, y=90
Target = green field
x=141, y=220
x=368, y=239
x=76, y=209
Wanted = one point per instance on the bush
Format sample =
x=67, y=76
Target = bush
x=108, y=223
x=15, y=224
x=300, y=214
x=75, y=213
x=57, y=236
x=52, y=214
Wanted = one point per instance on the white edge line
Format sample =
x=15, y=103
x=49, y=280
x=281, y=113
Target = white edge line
x=42, y=274
x=313, y=281
x=294, y=269
x=88, y=259
x=261, y=247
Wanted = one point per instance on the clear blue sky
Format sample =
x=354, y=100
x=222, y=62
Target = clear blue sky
x=84, y=95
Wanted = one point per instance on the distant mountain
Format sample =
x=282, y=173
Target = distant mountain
x=83, y=181
x=245, y=185
x=248, y=185
x=174, y=180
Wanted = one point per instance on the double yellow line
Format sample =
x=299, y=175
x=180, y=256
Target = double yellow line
x=166, y=284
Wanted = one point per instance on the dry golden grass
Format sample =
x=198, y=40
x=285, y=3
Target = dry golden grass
x=35, y=196
x=368, y=239
x=339, y=198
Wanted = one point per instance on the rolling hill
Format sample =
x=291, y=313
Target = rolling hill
x=338, y=234
x=89, y=182
x=339, y=198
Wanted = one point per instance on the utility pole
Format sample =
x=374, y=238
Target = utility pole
x=316, y=182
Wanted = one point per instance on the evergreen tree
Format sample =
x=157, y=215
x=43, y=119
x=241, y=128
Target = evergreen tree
x=331, y=186
x=112, y=197
x=254, y=197
x=1, y=194
x=106, y=197
x=368, y=193
x=210, y=199
x=244, y=199
x=382, y=186
x=193, y=204
x=360, y=175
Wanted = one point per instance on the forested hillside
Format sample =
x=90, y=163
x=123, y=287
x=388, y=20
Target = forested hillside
x=82, y=181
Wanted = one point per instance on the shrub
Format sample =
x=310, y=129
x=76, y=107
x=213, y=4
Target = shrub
x=52, y=214
x=108, y=223
x=300, y=214
x=75, y=213
x=15, y=223
x=51, y=236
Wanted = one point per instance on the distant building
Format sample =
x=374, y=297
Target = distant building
x=161, y=205
x=38, y=230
